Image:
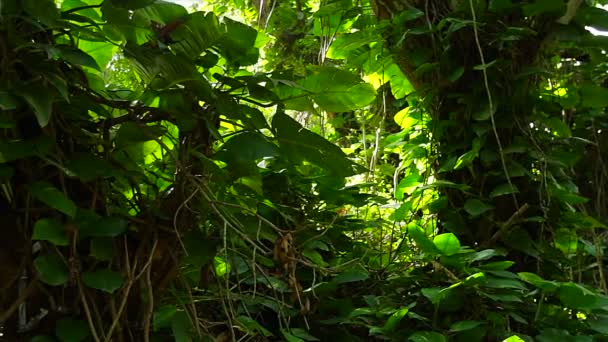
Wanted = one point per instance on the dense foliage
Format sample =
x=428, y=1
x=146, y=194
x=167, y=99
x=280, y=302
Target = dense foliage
x=420, y=170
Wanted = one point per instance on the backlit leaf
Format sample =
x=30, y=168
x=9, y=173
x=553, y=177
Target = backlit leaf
x=447, y=243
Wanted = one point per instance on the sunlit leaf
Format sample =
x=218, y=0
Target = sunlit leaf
x=447, y=244
x=537, y=281
x=393, y=321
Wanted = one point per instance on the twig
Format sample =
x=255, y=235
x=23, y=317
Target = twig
x=87, y=311
x=506, y=225
x=150, y=309
x=177, y=214
x=20, y=300
x=450, y=274
x=573, y=6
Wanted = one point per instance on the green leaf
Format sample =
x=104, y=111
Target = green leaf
x=44, y=10
x=405, y=119
x=465, y=325
x=71, y=330
x=422, y=241
x=198, y=33
x=182, y=327
x=246, y=147
x=502, y=283
x=251, y=326
x=50, y=230
x=88, y=167
x=315, y=257
x=514, y=338
x=221, y=267
x=593, y=16
x=536, y=280
x=576, y=296
x=51, y=269
x=476, y=207
x=103, y=227
x=539, y=7
x=102, y=248
x=299, y=143
x=51, y=196
x=427, y=336
x=291, y=338
x=456, y=74
x=14, y=150
x=483, y=255
x=130, y=133
x=566, y=240
x=599, y=325
x=337, y=90
x=504, y=189
x=394, y=319
x=303, y=334
x=558, y=126
x=580, y=220
x=101, y=52
x=567, y=196
x=238, y=43
x=475, y=279
x=40, y=98
x=7, y=101
x=447, y=243
x=103, y=279
x=352, y=275
x=594, y=96
x=74, y=56
x=407, y=185
x=163, y=317
x=344, y=44
x=132, y=4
